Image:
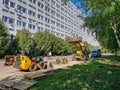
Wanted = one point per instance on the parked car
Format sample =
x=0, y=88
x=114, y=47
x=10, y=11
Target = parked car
x=96, y=53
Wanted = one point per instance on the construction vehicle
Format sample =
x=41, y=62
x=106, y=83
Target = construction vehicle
x=23, y=62
x=80, y=49
x=96, y=53
x=9, y=60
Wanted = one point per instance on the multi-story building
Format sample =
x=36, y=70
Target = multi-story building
x=35, y=15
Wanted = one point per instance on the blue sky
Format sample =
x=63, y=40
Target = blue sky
x=76, y=3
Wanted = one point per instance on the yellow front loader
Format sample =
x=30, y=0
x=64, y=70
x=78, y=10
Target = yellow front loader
x=80, y=49
x=23, y=62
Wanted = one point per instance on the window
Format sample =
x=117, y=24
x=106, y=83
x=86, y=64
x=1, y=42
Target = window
x=20, y=8
x=31, y=13
x=52, y=12
x=53, y=3
x=62, y=9
x=58, y=6
x=20, y=0
x=58, y=15
x=5, y=10
x=11, y=21
x=33, y=1
x=30, y=26
x=62, y=17
x=33, y=27
x=40, y=28
x=21, y=23
x=47, y=20
x=58, y=25
x=47, y=9
x=12, y=13
x=40, y=23
x=62, y=26
x=4, y=19
x=53, y=22
x=40, y=16
x=40, y=5
x=6, y=2
x=11, y=29
x=12, y=4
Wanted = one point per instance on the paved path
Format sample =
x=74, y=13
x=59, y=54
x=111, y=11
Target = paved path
x=6, y=70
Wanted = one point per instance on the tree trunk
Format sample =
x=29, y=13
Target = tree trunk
x=114, y=27
x=117, y=38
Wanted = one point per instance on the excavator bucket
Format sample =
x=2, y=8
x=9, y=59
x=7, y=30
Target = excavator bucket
x=75, y=40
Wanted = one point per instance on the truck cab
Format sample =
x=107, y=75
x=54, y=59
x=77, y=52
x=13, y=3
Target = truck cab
x=96, y=53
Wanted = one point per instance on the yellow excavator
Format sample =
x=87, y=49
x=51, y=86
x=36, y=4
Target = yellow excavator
x=80, y=49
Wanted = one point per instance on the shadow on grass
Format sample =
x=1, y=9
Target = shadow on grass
x=113, y=57
x=88, y=76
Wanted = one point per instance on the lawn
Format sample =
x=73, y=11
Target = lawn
x=102, y=74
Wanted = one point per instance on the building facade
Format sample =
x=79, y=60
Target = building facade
x=34, y=15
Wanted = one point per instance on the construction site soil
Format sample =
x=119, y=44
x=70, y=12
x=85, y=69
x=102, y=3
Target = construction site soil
x=6, y=71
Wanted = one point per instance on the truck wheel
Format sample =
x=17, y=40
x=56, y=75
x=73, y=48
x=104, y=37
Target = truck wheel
x=32, y=67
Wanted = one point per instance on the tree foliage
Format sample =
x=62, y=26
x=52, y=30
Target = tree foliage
x=45, y=42
x=12, y=48
x=102, y=17
x=4, y=38
x=24, y=39
x=104, y=20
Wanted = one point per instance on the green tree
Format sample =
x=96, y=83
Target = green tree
x=102, y=17
x=45, y=42
x=24, y=39
x=4, y=38
x=12, y=47
x=69, y=46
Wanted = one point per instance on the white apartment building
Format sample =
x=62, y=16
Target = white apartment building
x=35, y=15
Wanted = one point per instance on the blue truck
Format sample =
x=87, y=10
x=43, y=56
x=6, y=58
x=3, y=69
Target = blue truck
x=96, y=53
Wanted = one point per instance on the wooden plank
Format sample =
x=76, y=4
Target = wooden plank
x=34, y=76
x=16, y=82
x=11, y=80
x=37, y=74
x=24, y=84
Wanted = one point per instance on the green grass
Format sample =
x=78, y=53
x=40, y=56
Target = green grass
x=101, y=74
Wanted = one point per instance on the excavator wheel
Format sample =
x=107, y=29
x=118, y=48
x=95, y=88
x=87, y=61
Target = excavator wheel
x=73, y=57
x=65, y=61
x=84, y=57
x=33, y=67
x=58, y=61
x=43, y=65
